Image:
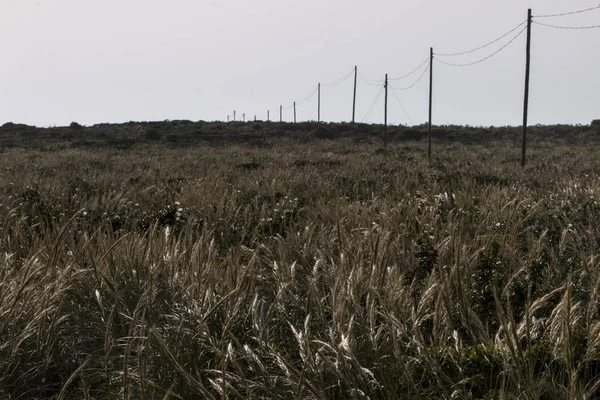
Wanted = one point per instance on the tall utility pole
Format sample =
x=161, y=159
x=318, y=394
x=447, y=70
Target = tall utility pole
x=430, y=101
x=385, y=132
x=526, y=101
x=268, y=119
x=244, y=117
x=354, y=97
x=294, y=112
x=280, y=113
x=319, y=102
x=234, y=115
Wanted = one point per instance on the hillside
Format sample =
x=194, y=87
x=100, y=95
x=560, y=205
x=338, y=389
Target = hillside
x=183, y=133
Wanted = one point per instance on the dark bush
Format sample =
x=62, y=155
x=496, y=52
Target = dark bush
x=75, y=125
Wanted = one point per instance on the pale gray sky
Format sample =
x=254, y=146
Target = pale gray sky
x=115, y=61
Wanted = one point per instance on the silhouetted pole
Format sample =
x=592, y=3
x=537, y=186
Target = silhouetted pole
x=430, y=100
x=354, y=97
x=294, y=112
x=319, y=102
x=385, y=132
x=254, y=117
x=228, y=118
x=234, y=115
x=526, y=101
x=244, y=117
x=268, y=119
x=280, y=113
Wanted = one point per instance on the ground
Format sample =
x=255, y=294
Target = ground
x=311, y=267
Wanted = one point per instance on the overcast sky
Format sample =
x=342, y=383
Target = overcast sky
x=146, y=60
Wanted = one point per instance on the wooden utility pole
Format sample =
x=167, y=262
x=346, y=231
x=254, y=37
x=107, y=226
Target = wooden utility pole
x=233, y=115
x=294, y=112
x=354, y=97
x=268, y=119
x=319, y=102
x=280, y=113
x=526, y=100
x=244, y=117
x=385, y=132
x=430, y=101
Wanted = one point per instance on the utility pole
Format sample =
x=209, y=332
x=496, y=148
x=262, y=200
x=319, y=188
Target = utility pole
x=227, y=118
x=280, y=113
x=430, y=101
x=354, y=98
x=385, y=132
x=233, y=115
x=244, y=117
x=319, y=102
x=294, y=112
x=268, y=119
x=526, y=100
x=254, y=117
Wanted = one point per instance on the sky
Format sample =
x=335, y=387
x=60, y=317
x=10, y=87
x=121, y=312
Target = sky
x=148, y=60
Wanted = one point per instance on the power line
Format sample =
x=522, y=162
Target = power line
x=485, y=58
x=414, y=83
x=411, y=72
x=339, y=80
x=371, y=82
x=568, y=27
x=372, y=106
x=401, y=105
x=304, y=100
x=567, y=13
x=485, y=45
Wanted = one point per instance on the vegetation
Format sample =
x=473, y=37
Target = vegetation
x=155, y=266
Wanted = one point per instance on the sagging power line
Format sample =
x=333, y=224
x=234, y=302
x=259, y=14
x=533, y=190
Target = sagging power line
x=384, y=85
x=567, y=13
x=483, y=46
x=567, y=27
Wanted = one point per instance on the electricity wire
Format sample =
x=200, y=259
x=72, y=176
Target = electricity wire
x=339, y=80
x=568, y=27
x=372, y=106
x=485, y=45
x=307, y=98
x=371, y=82
x=567, y=13
x=485, y=58
x=411, y=72
x=401, y=105
x=414, y=83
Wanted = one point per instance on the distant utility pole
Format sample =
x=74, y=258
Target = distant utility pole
x=294, y=112
x=385, y=131
x=526, y=100
x=228, y=118
x=319, y=102
x=280, y=113
x=430, y=101
x=268, y=117
x=234, y=115
x=354, y=97
x=254, y=117
x=244, y=117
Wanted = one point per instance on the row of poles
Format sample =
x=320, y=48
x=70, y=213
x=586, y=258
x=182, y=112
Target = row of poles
x=431, y=54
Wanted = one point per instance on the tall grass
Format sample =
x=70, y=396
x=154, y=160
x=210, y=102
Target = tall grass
x=321, y=271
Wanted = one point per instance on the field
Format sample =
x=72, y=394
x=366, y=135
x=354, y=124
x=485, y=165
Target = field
x=325, y=269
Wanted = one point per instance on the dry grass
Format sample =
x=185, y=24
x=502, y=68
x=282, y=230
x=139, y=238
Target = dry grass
x=322, y=271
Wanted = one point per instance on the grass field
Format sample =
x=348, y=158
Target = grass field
x=326, y=270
